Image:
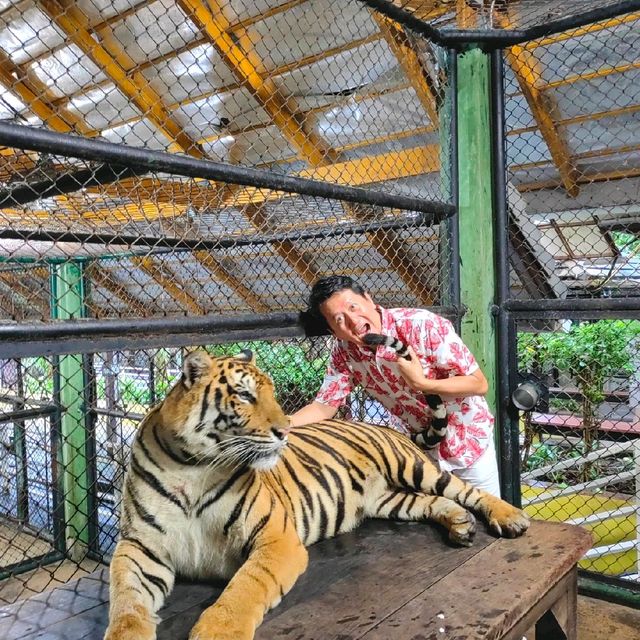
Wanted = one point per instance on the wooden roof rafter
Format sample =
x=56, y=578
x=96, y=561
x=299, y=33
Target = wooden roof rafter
x=411, y=63
x=284, y=248
x=28, y=294
x=215, y=267
x=527, y=70
x=285, y=115
x=113, y=60
x=596, y=27
x=100, y=276
x=37, y=97
x=248, y=68
x=170, y=282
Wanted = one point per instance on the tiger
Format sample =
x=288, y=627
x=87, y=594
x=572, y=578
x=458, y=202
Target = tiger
x=431, y=436
x=218, y=485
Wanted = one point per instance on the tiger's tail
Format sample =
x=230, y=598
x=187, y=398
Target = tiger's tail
x=430, y=437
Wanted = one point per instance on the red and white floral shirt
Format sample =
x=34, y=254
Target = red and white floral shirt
x=442, y=354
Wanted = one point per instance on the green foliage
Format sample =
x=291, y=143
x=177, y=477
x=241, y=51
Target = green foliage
x=591, y=352
x=296, y=374
x=568, y=405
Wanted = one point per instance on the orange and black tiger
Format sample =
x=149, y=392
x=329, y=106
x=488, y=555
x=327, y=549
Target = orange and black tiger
x=218, y=487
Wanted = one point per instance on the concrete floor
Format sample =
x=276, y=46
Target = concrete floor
x=600, y=620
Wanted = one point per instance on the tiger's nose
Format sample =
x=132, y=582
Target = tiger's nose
x=280, y=432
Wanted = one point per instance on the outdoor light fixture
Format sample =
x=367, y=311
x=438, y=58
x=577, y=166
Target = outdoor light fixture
x=527, y=395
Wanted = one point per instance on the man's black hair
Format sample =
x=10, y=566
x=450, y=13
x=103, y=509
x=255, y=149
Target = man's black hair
x=324, y=288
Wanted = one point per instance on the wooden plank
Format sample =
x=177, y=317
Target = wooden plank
x=350, y=581
x=559, y=421
x=371, y=583
x=496, y=587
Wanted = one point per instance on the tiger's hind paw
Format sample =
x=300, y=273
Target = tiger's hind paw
x=463, y=530
x=508, y=521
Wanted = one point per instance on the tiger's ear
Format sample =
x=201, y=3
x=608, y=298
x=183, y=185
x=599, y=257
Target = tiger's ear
x=196, y=365
x=246, y=356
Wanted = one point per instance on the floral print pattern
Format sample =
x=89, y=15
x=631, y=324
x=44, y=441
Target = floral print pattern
x=442, y=354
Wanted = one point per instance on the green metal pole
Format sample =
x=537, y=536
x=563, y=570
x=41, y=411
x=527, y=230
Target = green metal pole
x=67, y=289
x=477, y=272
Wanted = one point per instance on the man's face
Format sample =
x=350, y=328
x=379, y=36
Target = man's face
x=350, y=315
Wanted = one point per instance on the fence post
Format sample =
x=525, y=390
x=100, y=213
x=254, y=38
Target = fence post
x=67, y=302
x=477, y=253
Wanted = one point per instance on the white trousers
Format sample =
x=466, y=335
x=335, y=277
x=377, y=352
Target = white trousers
x=482, y=474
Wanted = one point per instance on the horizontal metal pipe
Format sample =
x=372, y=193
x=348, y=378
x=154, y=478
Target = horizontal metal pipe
x=138, y=326
x=67, y=183
x=26, y=414
x=218, y=243
x=43, y=141
x=581, y=19
x=498, y=38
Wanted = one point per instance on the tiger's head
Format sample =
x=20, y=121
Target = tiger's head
x=224, y=412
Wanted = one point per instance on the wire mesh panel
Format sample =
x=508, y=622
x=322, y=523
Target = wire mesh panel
x=121, y=241
x=580, y=447
x=572, y=119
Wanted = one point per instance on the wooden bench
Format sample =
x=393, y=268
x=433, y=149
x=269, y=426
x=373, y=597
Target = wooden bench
x=386, y=580
x=558, y=422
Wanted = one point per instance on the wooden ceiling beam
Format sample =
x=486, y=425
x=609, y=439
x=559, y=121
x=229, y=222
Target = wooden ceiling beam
x=411, y=63
x=29, y=294
x=588, y=178
x=216, y=268
x=37, y=97
x=582, y=31
x=250, y=72
x=367, y=170
x=111, y=58
x=284, y=248
x=108, y=281
x=529, y=76
x=168, y=280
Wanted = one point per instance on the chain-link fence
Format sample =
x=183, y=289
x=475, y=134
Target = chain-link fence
x=224, y=155
x=304, y=139
x=573, y=134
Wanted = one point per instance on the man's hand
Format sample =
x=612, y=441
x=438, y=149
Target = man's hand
x=411, y=371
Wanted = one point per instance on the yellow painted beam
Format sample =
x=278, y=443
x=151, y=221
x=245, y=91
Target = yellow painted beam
x=212, y=264
x=589, y=178
x=189, y=192
x=596, y=27
x=37, y=97
x=169, y=282
x=410, y=61
x=368, y=170
x=116, y=64
x=284, y=248
x=30, y=294
x=108, y=281
x=249, y=71
x=526, y=69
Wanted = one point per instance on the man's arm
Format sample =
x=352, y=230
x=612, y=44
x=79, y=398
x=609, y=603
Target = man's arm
x=314, y=412
x=474, y=384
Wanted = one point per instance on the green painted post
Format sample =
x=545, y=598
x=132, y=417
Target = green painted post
x=477, y=271
x=67, y=293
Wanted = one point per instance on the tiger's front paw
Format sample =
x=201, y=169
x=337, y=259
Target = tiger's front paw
x=463, y=529
x=210, y=627
x=508, y=521
x=131, y=627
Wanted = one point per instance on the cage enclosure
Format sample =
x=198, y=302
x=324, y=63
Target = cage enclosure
x=177, y=173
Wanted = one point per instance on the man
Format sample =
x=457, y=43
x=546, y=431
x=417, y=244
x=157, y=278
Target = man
x=440, y=364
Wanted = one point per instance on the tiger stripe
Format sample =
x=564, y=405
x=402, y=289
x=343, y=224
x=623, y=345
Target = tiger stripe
x=215, y=481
